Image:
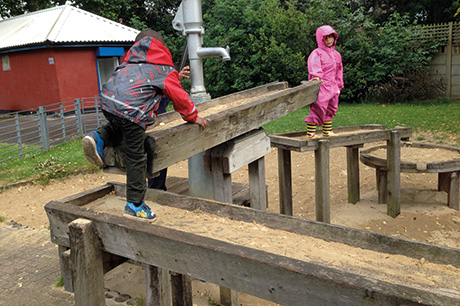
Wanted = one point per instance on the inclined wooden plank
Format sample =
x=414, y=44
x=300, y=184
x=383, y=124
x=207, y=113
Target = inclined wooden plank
x=185, y=140
x=248, y=93
x=245, y=269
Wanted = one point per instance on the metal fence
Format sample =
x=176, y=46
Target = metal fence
x=26, y=133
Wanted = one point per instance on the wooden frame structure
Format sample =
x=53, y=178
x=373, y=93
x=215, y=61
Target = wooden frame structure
x=448, y=172
x=93, y=236
x=296, y=141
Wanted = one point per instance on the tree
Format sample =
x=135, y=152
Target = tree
x=422, y=11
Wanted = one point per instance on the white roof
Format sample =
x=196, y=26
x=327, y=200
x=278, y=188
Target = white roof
x=62, y=25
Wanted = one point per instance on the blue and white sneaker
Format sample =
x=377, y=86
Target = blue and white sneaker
x=93, y=147
x=143, y=211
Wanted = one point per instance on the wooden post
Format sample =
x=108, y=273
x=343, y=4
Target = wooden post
x=322, y=182
x=158, y=286
x=181, y=289
x=449, y=182
x=87, y=264
x=222, y=183
x=257, y=189
x=449, y=52
x=66, y=270
x=285, y=181
x=353, y=173
x=382, y=184
x=394, y=173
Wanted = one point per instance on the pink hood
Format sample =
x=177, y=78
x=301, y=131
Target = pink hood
x=322, y=31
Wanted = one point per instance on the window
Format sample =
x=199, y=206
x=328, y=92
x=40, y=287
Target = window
x=6, y=62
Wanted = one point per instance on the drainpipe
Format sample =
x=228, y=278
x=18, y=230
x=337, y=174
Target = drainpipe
x=189, y=20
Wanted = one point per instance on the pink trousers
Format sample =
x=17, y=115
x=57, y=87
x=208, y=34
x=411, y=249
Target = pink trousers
x=323, y=109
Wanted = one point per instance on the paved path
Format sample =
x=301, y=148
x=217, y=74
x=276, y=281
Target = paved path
x=29, y=269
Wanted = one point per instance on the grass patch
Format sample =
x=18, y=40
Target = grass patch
x=57, y=163
x=439, y=117
x=2, y=219
x=60, y=282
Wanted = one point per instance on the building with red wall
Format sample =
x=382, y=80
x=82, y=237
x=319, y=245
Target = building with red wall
x=57, y=55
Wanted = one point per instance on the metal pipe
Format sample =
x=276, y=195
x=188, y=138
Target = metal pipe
x=225, y=53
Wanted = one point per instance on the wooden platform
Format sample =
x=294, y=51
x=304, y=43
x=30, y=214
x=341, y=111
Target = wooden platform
x=430, y=277
x=351, y=137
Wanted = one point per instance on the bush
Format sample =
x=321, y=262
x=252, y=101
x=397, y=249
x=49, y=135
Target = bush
x=270, y=40
x=411, y=86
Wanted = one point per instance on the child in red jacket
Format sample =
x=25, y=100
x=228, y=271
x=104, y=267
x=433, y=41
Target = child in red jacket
x=325, y=64
x=130, y=100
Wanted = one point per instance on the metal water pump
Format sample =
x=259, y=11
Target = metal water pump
x=189, y=20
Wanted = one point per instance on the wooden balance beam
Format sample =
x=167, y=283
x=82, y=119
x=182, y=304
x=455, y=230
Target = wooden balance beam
x=172, y=140
x=286, y=276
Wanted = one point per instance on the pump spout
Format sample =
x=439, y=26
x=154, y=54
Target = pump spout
x=216, y=51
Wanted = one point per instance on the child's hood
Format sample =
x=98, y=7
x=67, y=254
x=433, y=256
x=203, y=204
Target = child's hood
x=149, y=50
x=323, y=31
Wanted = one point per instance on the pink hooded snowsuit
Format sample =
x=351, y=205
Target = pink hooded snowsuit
x=325, y=63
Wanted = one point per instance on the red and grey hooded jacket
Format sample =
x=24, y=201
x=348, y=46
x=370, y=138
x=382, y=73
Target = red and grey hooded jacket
x=136, y=87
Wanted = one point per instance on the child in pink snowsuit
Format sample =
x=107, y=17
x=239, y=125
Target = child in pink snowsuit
x=325, y=64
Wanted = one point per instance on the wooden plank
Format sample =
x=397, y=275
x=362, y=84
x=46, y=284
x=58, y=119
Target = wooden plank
x=86, y=258
x=322, y=182
x=394, y=174
x=248, y=270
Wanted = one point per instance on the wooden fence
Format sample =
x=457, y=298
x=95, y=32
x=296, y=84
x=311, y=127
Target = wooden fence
x=446, y=64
